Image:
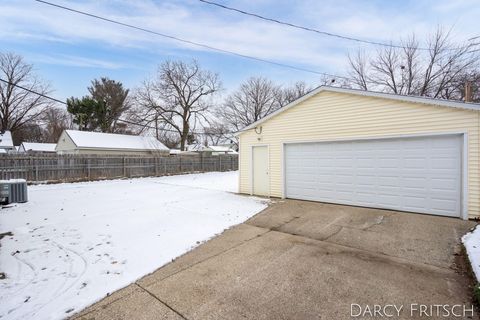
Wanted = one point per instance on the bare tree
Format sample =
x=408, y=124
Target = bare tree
x=19, y=107
x=256, y=98
x=55, y=121
x=217, y=133
x=177, y=98
x=411, y=71
x=292, y=93
x=169, y=139
x=29, y=132
x=458, y=90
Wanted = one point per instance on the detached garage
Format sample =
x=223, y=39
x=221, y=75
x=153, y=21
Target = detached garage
x=367, y=149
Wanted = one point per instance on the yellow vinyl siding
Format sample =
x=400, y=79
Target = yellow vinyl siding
x=333, y=116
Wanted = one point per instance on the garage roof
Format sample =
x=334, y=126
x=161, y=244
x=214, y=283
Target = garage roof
x=100, y=140
x=35, y=146
x=390, y=96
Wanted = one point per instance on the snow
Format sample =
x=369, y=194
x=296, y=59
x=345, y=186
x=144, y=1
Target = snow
x=221, y=148
x=471, y=241
x=209, y=180
x=13, y=181
x=72, y=244
x=85, y=139
x=6, y=141
x=34, y=146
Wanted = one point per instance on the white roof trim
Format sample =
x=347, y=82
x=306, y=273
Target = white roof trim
x=390, y=96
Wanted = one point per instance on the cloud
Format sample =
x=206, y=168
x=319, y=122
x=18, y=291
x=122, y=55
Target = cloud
x=76, y=61
x=188, y=19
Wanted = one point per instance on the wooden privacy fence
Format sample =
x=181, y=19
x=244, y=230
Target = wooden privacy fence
x=64, y=168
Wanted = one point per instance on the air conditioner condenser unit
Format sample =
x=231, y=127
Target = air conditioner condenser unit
x=13, y=191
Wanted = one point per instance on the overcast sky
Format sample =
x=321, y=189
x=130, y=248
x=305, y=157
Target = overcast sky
x=69, y=50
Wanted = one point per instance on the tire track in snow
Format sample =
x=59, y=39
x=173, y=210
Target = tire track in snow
x=62, y=289
x=30, y=266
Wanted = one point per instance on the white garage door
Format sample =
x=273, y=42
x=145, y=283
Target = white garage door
x=420, y=174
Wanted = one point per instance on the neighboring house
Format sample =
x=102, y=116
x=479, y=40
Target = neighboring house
x=211, y=150
x=37, y=147
x=196, y=147
x=175, y=151
x=229, y=141
x=179, y=152
x=6, y=142
x=367, y=149
x=216, y=150
x=83, y=142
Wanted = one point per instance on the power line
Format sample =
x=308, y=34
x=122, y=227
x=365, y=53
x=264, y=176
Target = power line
x=64, y=103
x=325, y=33
x=198, y=44
x=31, y=91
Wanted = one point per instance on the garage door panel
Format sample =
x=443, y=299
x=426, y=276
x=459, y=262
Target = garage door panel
x=386, y=182
x=412, y=174
x=444, y=163
x=444, y=185
x=390, y=200
x=415, y=163
x=443, y=204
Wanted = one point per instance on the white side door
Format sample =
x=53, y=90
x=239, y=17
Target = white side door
x=260, y=175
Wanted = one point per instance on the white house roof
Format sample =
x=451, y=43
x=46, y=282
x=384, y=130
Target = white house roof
x=34, y=146
x=6, y=140
x=100, y=140
x=221, y=149
x=390, y=96
x=196, y=147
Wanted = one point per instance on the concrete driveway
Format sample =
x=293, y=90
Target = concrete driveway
x=305, y=260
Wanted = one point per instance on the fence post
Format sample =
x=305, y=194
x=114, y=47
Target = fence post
x=180, y=162
x=202, y=168
x=88, y=168
x=36, y=171
x=124, y=168
x=219, y=162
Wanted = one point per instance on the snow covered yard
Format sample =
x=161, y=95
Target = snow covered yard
x=471, y=241
x=74, y=243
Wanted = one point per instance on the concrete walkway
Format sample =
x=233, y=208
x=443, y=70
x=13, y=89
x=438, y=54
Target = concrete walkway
x=304, y=260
